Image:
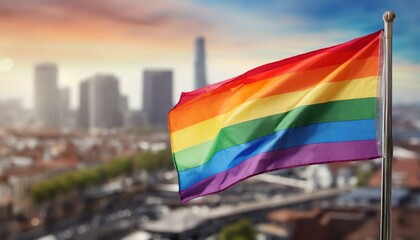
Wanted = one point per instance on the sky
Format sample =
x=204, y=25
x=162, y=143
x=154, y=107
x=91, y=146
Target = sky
x=125, y=37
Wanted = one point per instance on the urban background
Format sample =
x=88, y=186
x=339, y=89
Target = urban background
x=85, y=88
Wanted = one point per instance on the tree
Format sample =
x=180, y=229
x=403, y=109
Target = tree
x=44, y=191
x=63, y=183
x=240, y=230
x=154, y=160
x=84, y=178
x=38, y=194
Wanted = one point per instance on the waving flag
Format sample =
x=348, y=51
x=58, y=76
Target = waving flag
x=318, y=107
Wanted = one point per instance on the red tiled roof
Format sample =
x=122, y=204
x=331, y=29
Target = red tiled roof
x=346, y=224
x=39, y=168
x=405, y=172
x=3, y=178
x=338, y=165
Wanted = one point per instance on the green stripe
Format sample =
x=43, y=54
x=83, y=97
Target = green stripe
x=355, y=109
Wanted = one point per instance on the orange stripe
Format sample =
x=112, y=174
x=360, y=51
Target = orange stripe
x=196, y=111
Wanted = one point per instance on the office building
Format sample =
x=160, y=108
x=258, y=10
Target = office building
x=157, y=96
x=104, y=102
x=64, y=107
x=46, y=100
x=200, y=79
x=99, y=103
x=123, y=104
x=83, y=115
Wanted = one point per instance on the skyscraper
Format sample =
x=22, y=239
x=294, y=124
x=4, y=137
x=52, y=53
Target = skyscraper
x=83, y=116
x=123, y=104
x=46, y=95
x=104, y=102
x=99, y=103
x=64, y=107
x=200, y=79
x=157, y=95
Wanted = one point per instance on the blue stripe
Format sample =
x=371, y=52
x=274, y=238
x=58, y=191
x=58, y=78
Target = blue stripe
x=292, y=137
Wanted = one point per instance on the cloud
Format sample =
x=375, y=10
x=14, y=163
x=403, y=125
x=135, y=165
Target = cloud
x=140, y=13
x=351, y=17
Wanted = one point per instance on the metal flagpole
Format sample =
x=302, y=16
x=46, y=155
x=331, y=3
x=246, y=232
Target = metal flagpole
x=387, y=145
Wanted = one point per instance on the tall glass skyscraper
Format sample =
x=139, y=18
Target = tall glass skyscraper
x=83, y=120
x=104, y=97
x=200, y=79
x=46, y=95
x=157, y=95
x=99, y=106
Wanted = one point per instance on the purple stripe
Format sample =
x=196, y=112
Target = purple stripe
x=285, y=158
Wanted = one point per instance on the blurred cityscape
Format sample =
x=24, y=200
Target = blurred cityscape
x=105, y=171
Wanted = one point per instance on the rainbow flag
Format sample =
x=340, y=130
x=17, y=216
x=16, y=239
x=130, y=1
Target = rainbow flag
x=318, y=107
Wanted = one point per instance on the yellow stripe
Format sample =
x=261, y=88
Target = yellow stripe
x=257, y=108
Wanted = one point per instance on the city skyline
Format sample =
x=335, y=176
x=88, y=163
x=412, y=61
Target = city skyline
x=84, y=38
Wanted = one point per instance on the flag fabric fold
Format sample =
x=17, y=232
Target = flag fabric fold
x=318, y=107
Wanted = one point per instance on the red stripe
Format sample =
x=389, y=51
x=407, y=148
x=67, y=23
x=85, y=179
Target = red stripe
x=307, y=61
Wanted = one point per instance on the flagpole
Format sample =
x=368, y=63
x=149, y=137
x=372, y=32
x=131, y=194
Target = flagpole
x=387, y=145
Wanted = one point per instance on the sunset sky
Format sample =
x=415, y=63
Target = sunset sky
x=124, y=37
